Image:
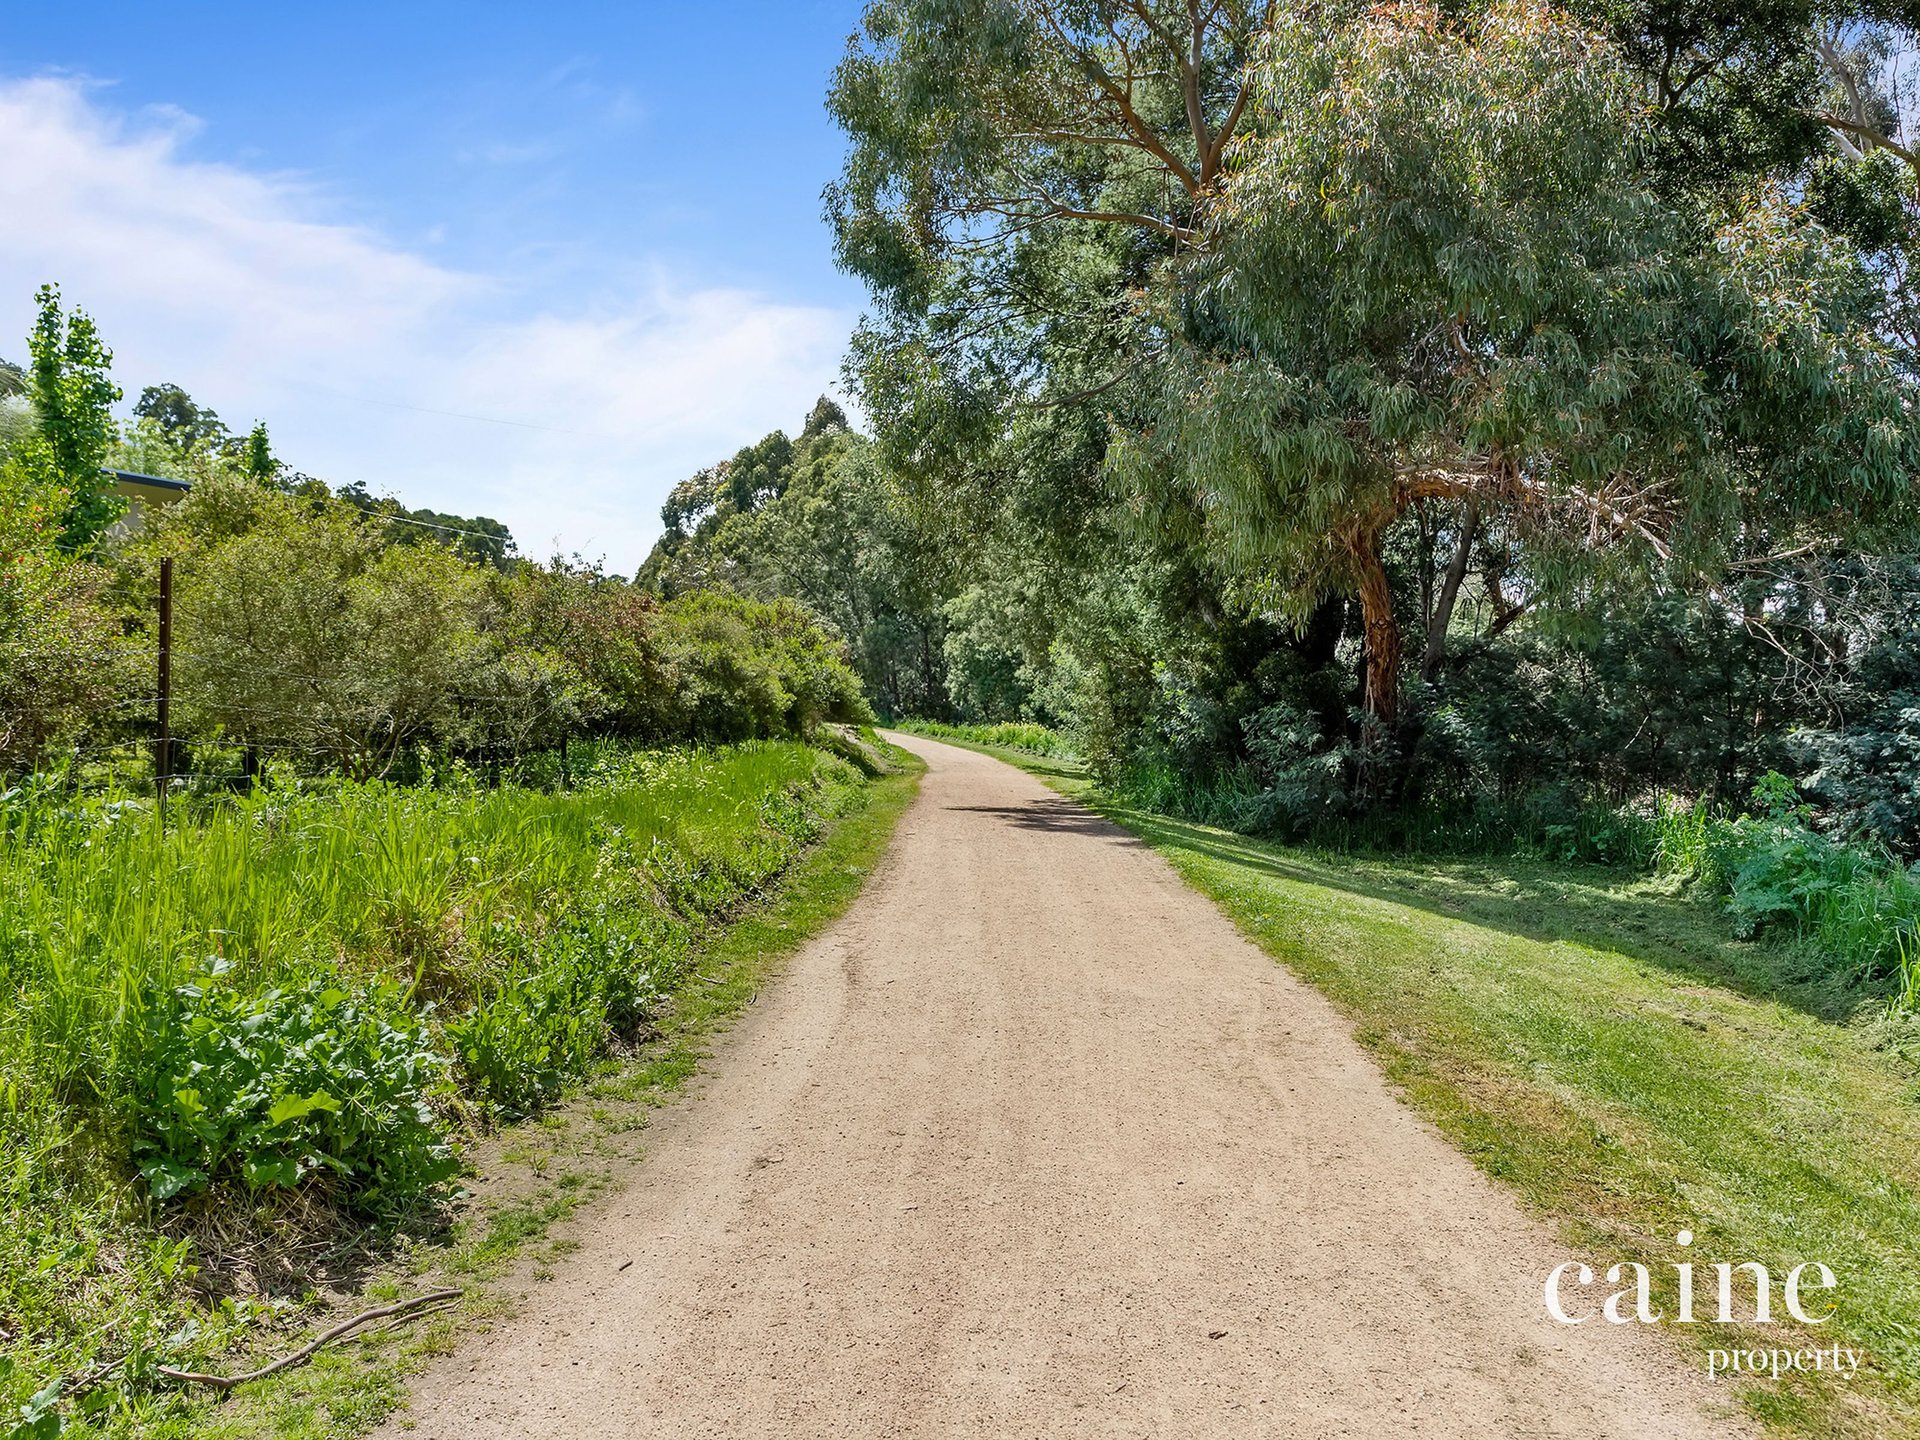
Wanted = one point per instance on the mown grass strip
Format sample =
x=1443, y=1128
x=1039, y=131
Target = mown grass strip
x=1596, y=1043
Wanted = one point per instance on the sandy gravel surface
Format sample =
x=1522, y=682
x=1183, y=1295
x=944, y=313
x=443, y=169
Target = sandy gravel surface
x=1033, y=1143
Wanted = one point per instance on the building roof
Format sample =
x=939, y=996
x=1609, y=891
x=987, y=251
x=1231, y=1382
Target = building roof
x=135, y=480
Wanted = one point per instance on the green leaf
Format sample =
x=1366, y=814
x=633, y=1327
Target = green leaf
x=167, y=1178
x=296, y=1108
x=272, y=1170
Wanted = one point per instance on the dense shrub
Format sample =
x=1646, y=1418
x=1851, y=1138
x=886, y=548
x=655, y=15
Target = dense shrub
x=1009, y=734
x=742, y=668
x=306, y=637
x=1865, y=774
x=1850, y=900
x=316, y=1079
x=62, y=656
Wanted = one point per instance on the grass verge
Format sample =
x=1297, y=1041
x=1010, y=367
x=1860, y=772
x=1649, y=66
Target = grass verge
x=1594, y=1041
x=530, y=1175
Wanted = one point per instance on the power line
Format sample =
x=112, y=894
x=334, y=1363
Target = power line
x=432, y=525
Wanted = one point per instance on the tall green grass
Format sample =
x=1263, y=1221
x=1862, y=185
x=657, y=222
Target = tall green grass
x=1852, y=904
x=1007, y=734
x=297, y=1002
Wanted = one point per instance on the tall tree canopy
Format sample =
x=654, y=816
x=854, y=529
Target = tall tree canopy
x=180, y=420
x=1320, y=270
x=1436, y=272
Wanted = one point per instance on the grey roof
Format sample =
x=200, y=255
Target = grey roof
x=151, y=482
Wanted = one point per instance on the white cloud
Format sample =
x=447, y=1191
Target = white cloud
x=371, y=362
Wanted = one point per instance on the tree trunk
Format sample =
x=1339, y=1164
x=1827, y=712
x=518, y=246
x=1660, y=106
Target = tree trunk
x=1442, y=614
x=1381, y=697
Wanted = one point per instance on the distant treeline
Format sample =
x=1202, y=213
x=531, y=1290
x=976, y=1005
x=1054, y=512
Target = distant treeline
x=316, y=630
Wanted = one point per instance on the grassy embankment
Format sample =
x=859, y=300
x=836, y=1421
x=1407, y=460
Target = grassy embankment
x=341, y=991
x=1593, y=1039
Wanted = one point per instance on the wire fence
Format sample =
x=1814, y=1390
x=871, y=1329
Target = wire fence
x=218, y=720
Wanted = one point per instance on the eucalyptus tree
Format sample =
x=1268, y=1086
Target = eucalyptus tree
x=1436, y=272
x=1814, y=94
x=1316, y=274
x=829, y=529
x=1018, y=170
x=180, y=420
x=1016, y=166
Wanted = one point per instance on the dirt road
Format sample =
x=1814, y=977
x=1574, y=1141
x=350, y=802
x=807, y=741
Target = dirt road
x=1033, y=1143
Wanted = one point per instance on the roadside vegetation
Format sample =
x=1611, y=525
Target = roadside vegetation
x=1004, y=734
x=248, y=1058
x=430, y=832
x=1317, y=459
x=270, y=1029
x=534, y=1176
x=1474, y=445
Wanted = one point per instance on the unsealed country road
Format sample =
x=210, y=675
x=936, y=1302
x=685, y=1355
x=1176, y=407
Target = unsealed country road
x=1033, y=1143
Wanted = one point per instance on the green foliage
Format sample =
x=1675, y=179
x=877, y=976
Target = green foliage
x=1851, y=903
x=185, y=426
x=257, y=456
x=307, y=1082
x=1735, y=87
x=311, y=994
x=1861, y=763
x=305, y=635
x=1420, y=290
x=746, y=667
x=299, y=627
x=549, y=1021
x=72, y=401
x=477, y=538
x=1007, y=735
x=1468, y=342
x=829, y=531
x=62, y=655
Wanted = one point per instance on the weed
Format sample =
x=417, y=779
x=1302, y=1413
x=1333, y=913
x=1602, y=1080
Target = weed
x=308, y=993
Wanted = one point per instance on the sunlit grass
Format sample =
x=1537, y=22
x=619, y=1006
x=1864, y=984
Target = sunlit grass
x=450, y=907
x=1596, y=1041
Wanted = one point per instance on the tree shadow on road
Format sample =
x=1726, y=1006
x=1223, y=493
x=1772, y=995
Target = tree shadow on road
x=1591, y=906
x=1058, y=816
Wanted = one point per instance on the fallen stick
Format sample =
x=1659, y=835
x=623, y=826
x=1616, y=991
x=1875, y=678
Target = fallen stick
x=307, y=1351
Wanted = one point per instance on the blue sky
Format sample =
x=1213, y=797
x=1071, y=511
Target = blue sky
x=533, y=260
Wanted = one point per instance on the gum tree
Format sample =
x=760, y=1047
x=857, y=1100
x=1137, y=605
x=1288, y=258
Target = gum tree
x=1436, y=273
x=1016, y=167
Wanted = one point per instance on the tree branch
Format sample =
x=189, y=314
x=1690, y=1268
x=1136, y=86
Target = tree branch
x=1867, y=132
x=307, y=1351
